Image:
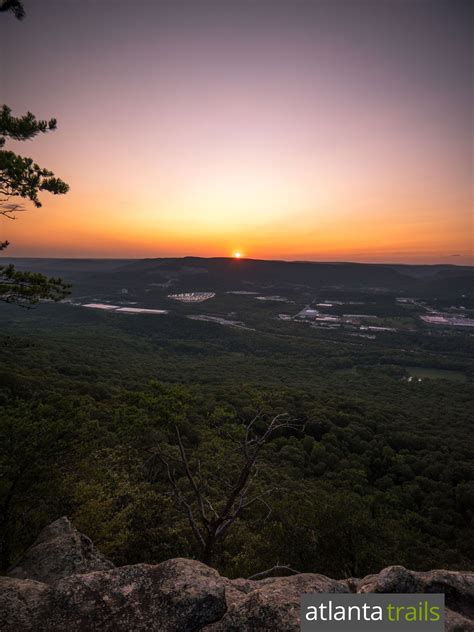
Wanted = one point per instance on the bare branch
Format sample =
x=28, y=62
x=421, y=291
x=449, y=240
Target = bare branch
x=277, y=567
x=187, y=469
x=209, y=520
x=6, y=210
x=179, y=496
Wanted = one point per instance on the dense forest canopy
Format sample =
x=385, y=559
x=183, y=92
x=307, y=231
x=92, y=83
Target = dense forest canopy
x=380, y=474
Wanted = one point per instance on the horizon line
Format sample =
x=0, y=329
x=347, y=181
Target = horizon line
x=231, y=258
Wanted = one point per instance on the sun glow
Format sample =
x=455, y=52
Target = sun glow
x=237, y=255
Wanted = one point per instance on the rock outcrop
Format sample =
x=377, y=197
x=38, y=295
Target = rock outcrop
x=173, y=596
x=274, y=604
x=59, y=551
x=458, y=589
x=182, y=595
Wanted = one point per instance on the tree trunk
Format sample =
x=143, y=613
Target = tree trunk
x=4, y=547
x=208, y=552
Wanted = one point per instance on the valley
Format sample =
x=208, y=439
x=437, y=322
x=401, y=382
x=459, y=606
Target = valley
x=385, y=399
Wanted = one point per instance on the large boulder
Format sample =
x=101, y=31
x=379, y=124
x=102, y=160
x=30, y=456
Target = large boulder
x=59, y=551
x=455, y=622
x=20, y=603
x=274, y=604
x=174, y=596
x=457, y=587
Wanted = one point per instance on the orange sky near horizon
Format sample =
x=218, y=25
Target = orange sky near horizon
x=184, y=134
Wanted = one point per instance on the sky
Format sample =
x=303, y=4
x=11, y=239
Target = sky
x=301, y=130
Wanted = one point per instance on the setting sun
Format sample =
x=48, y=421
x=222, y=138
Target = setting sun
x=315, y=153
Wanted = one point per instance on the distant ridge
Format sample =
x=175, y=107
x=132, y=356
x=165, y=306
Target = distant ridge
x=224, y=273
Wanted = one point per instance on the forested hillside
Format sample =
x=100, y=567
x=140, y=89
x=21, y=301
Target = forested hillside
x=374, y=468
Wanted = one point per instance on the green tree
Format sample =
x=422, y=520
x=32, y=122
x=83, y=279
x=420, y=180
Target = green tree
x=21, y=177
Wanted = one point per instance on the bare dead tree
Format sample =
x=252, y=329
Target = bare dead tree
x=210, y=520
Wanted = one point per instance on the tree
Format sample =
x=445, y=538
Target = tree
x=21, y=177
x=15, y=6
x=212, y=509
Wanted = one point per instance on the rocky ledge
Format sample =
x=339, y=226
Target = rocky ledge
x=64, y=583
